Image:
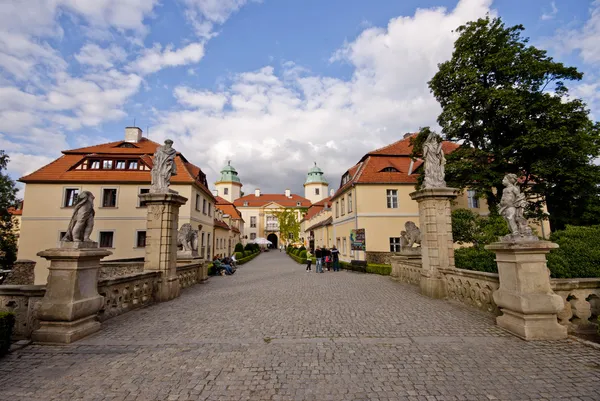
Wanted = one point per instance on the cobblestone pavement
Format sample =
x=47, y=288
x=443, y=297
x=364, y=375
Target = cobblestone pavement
x=274, y=332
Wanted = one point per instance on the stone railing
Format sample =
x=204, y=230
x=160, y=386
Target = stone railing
x=582, y=302
x=406, y=268
x=23, y=301
x=191, y=274
x=123, y=294
x=472, y=288
x=119, y=269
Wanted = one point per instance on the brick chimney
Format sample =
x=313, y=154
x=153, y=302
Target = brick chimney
x=133, y=134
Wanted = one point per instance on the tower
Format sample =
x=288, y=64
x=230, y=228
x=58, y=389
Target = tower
x=229, y=186
x=315, y=186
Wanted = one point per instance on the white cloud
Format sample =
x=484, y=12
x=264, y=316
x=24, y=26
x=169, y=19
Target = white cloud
x=204, y=14
x=275, y=123
x=584, y=40
x=550, y=15
x=94, y=55
x=157, y=58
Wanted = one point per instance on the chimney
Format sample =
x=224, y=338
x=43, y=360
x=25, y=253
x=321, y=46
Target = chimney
x=133, y=134
x=257, y=192
x=215, y=192
x=288, y=193
x=331, y=192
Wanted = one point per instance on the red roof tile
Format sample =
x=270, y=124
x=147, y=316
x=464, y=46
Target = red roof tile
x=316, y=208
x=221, y=224
x=228, y=208
x=264, y=199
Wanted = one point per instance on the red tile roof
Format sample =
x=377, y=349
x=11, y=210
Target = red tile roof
x=221, y=224
x=63, y=168
x=228, y=208
x=264, y=199
x=316, y=208
x=369, y=170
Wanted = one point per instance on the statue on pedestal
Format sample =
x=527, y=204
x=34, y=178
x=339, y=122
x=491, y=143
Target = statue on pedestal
x=512, y=208
x=82, y=221
x=163, y=167
x=433, y=155
x=187, y=238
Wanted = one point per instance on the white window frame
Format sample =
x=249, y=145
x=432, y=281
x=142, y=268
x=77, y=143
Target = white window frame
x=113, y=238
x=124, y=164
x=204, y=202
x=343, y=206
x=344, y=245
x=337, y=209
x=64, y=197
x=391, y=198
x=135, y=239
x=395, y=243
x=109, y=162
x=350, y=202
x=197, y=206
x=102, y=198
x=317, y=191
x=225, y=191
x=472, y=199
x=253, y=224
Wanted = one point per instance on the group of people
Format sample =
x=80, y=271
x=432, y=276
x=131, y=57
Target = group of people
x=328, y=258
x=228, y=264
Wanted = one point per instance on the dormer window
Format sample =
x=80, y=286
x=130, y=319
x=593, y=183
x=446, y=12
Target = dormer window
x=345, y=178
x=126, y=145
x=133, y=165
x=298, y=203
x=390, y=170
x=107, y=164
x=95, y=164
x=120, y=165
x=246, y=203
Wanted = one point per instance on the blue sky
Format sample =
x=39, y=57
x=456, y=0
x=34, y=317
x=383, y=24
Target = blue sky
x=272, y=85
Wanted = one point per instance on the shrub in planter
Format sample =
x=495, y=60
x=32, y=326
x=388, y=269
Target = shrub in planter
x=249, y=247
x=302, y=248
x=7, y=322
x=239, y=247
x=578, y=255
x=384, y=270
x=475, y=258
x=239, y=255
x=302, y=254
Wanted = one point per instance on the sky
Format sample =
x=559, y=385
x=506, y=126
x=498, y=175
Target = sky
x=272, y=85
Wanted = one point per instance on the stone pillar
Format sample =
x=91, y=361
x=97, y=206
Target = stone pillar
x=161, y=240
x=525, y=297
x=22, y=273
x=437, y=248
x=68, y=310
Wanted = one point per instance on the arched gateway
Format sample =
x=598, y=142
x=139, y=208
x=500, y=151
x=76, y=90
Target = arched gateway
x=273, y=239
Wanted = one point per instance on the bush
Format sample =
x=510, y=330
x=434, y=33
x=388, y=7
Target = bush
x=239, y=255
x=384, y=270
x=302, y=254
x=475, y=258
x=7, y=322
x=302, y=248
x=239, y=247
x=469, y=227
x=578, y=255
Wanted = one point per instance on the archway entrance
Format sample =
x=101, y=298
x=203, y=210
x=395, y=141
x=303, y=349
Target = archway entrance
x=273, y=239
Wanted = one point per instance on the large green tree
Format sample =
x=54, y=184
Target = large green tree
x=289, y=225
x=507, y=104
x=8, y=199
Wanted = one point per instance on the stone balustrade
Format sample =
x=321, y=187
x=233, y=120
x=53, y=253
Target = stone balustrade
x=191, y=274
x=23, y=301
x=406, y=269
x=126, y=293
x=582, y=302
x=472, y=288
x=112, y=269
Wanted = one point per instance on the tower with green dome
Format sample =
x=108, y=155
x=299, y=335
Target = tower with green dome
x=229, y=186
x=315, y=186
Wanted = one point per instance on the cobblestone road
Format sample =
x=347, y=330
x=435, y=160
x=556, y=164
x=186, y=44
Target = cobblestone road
x=274, y=332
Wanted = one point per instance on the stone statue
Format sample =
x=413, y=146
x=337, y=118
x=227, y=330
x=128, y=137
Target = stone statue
x=163, y=167
x=187, y=238
x=411, y=236
x=512, y=208
x=82, y=221
x=433, y=155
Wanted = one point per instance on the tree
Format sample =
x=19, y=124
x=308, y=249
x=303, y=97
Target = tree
x=289, y=226
x=470, y=227
x=507, y=105
x=8, y=199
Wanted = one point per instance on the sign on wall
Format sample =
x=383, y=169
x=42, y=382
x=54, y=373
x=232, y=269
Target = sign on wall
x=357, y=240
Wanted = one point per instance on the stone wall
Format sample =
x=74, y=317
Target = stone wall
x=192, y=273
x=406, y=269
x=380, y=258
x=21, y=273
x=119, y=269
x=123, y=294
x=472, y=288
x=23, y=301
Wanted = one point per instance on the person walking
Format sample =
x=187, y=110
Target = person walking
x=319, y=264
x=335, y=255
x=308, y=260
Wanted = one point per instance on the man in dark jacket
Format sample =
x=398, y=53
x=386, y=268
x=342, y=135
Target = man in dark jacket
x=319, y=257
x=335, y=255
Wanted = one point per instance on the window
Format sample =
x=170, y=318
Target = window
x=202, y=246
x=133, y=165
x=473, y=199
x=198, y=202
x=120, y=165
x=140, y=241
x=298, y=203
x=208, y=246
x=246, y=203
x=94, y=164
x=392, y=199
x=210, y=209
x=143, y=191
x=390, y=170
x=109, y=197
x=71, y=195
x=106, y=239
x=317, y=191
x=291, y=236
x=350, y=203
x=252, y=221
x=127, y=145
x=345, y=178
x=107, y=164
x=337, y=209
x=338, y=244
x=226, y=191
x=344, y=246
x=204, y=206
x=253, y=236
x=394, y=244
x=61, y=235
x=343, y=206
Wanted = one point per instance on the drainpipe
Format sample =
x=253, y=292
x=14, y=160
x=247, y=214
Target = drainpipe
x=355, y=210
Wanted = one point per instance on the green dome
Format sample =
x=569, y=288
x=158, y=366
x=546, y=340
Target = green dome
x=229, y=174
x=315, y=176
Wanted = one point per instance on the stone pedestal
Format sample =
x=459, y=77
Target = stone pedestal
x=161, y=240
x=67, y=312
x=525, y=297
x=437, y=248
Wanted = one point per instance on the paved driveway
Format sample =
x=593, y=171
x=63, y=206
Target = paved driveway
x=274, y=332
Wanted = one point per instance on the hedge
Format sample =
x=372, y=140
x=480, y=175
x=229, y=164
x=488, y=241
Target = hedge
x=475, y=258
x=239, y=247
x=239, y=255
x=297, y=258
x=303, y=254
x=384, y=270
x=7, y=322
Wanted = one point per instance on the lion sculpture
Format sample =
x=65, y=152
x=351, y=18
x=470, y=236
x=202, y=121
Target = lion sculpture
x=187, y=238
x=411, y=236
